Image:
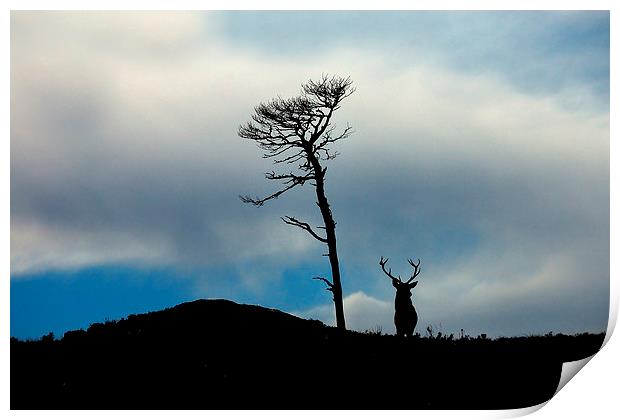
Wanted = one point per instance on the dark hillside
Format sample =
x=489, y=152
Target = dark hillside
x=219, y=354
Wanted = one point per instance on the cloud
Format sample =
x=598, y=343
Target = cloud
x=111, y=145
x=540, y=52
x=124, y=150
x=545, y=297
x=364, y=313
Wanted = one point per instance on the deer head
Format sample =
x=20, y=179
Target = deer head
x=404, y=286
x=405, y=316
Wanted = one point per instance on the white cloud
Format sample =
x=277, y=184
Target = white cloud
x=480, y=298
x=37, y=247
x=362, y=313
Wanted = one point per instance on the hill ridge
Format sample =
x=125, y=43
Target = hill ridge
x=216, y=353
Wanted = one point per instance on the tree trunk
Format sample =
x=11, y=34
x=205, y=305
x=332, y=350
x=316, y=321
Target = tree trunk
x=330, y=230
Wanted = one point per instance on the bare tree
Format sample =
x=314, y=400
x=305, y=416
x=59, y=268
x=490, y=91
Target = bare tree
x=299, y=132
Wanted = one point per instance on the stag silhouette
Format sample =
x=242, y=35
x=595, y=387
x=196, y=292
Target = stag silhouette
x=405, y=315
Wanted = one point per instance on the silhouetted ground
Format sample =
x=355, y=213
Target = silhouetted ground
x=216, y=354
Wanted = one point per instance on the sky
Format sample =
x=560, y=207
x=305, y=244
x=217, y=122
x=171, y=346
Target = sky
x=481, y=147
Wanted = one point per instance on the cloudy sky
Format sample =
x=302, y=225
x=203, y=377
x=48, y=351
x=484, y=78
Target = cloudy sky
x=481, y=146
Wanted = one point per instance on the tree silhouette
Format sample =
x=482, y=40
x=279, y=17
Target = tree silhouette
x=298, y=131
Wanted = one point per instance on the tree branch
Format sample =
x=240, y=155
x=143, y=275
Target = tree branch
x=302, y=225
x=290, y=177
x=292, y=158
x=260, y=201
x=327, y=137
x=330, y=286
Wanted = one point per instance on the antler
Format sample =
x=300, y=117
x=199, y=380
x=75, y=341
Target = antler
x=416, y=270
x=389, y=273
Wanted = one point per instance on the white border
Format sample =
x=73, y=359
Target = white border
x=593, y=394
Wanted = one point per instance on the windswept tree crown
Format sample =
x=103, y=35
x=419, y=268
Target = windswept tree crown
x=299, y=130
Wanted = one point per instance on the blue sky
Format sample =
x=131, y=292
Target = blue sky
x=481, y=146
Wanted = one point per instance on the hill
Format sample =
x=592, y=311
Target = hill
x=217, y=354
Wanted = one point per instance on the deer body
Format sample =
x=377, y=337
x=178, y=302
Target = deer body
x=405, y=315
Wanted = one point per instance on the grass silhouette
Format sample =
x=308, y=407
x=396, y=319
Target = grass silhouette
x=217, y=354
